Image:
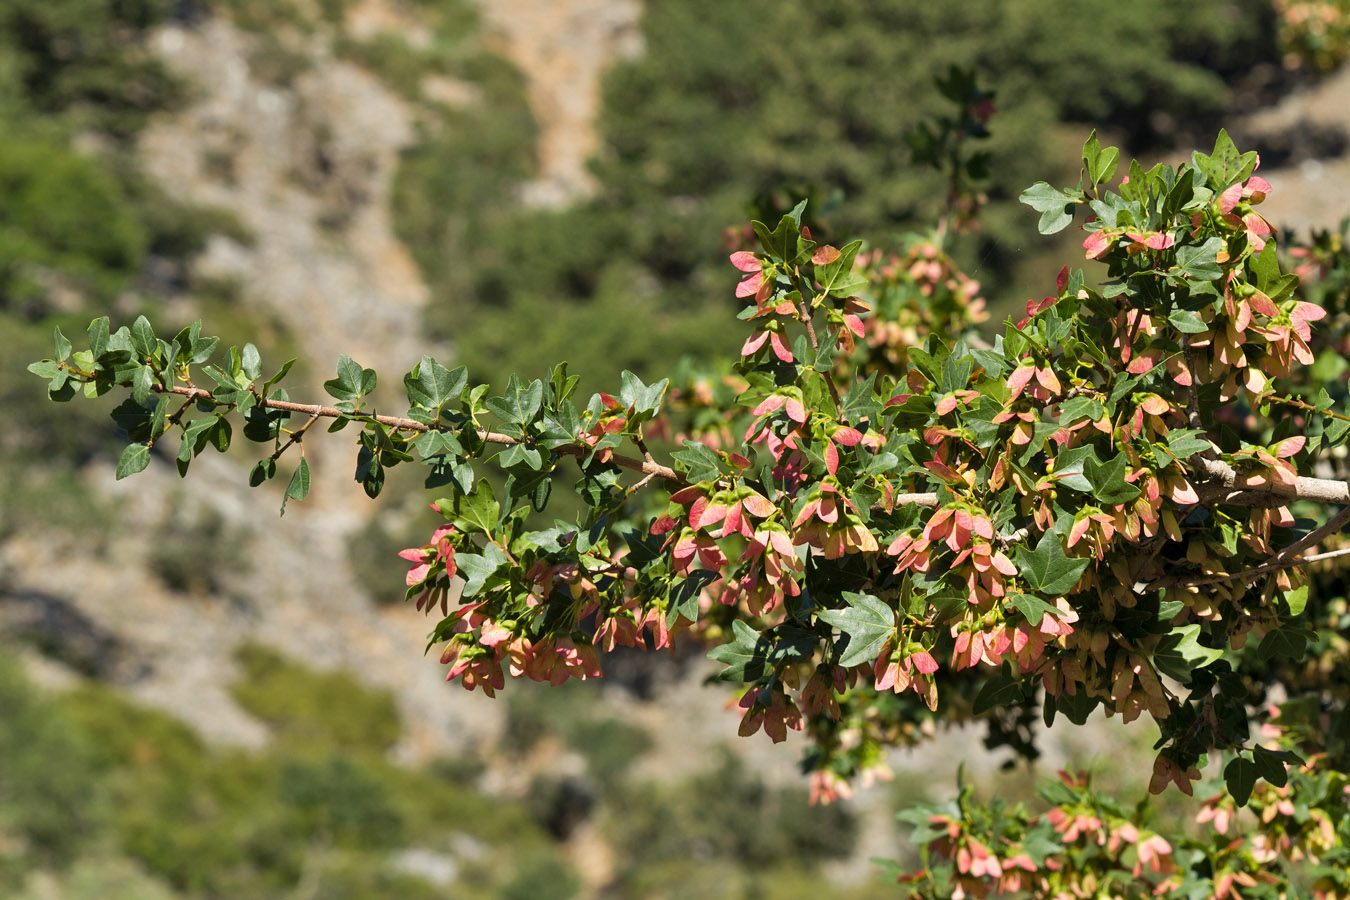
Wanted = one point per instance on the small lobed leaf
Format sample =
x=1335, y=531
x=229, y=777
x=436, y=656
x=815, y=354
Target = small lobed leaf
x=869, y=624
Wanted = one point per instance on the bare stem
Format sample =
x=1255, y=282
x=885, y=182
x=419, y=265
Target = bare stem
x=804, y=311
x=402, y=424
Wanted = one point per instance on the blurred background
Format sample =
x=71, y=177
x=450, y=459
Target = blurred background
x=199, y=700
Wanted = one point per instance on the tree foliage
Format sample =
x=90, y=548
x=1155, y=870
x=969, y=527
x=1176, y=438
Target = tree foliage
x=882, y=521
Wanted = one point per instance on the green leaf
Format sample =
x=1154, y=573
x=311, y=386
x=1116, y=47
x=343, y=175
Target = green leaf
x=432, y=386
x=1226, y=165
x=1108, y=480
x=298, y=489
x=1240, y=775
x=1075, y=408
x=1180, y=654
x=476, y=569
x=1270, y=765
x=1047, y=570
x=143, y=339
x=134, y=459
x=474, y=512
x=869, y=624
x=62, y=343
x=352, y=381
x=1033, y=608
x=641, y=398
x=745, y=656
x=1200, y=263
x=516, y=454
x=98, y=336
x=838, y=277
x=700, y=463
x=520, y=404
x=1186, y=442
x=1100, y=162
x=1187, y=321
x=1297, y=600
x=1288, y=642
x=262, y=470
x=1056, y=207
x=251, y=362
x=780, y=243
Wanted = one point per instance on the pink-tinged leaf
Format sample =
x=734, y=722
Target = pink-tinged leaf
x=687, y=495
x=662, y=525
x=1035, y=306
x=796, y=412
x=732, y=523
x=750, y=285
x=1019, y=378
x=758, y=506
x=1229, y=198
x=1243, y=317
x=754, y=342
x=924, y=662
x=1257, y=188
x=696, y=512
x=1139, y=365
x=897, y=400
x=1062, y=280
x=945, y=405
x=1263, y=304
x=1048, y=380
x=1155, y=405
x=714, y=513
x=828, y=510
x=1096, y=244
x=762, y=297
x=780, y=347
x=831, y=457
x=854, y=324
x=1183, y=493
x=413, y=554
x=1256, y=224
x=418, y=574
x=807, y=512
x=768, y=405
x=824, y=255
x=1289, y=446
x=1080, y=528
x=782, y=544
x=1158, y=241
x=1307, y=312
x=494, y=634
x=849, y=437
x=746, y=261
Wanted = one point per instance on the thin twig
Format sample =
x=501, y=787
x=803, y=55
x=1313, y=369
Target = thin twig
x=1245, y=574
x=1300, y=404
x=397, y=422
x=805, y=312
x=295, y=438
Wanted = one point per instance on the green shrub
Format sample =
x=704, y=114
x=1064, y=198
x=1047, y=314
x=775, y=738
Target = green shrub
x=315, y=709
x=48, y=777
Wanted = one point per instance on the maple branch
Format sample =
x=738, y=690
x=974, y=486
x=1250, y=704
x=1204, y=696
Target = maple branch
x=1227, y=485
x=648, y=467
x=1245, y=574
x=804, y=311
